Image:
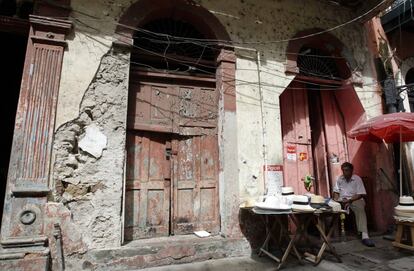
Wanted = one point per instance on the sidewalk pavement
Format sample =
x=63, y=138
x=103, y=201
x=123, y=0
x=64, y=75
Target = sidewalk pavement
x=355, y=256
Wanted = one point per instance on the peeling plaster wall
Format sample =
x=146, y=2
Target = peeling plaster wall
x=89, y=186
x=86, y=60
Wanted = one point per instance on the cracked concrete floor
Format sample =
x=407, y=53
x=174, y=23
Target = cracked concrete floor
x=355, y=256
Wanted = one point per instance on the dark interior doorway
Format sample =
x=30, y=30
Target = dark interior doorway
x=12, y=55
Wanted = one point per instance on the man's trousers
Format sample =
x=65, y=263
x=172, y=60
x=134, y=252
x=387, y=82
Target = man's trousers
x=358, y=207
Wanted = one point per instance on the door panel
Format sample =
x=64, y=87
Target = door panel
x=147, y=186
x=296, y=136
x=318, y=143
x=335, y=134
x=170, y=108
x=195, y=184
x=150, y=107
x=197, y=106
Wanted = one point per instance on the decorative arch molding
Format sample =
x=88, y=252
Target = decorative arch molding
x=143, y=11
x=326, y=42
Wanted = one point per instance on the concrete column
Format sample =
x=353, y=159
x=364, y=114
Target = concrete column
x=228, y=178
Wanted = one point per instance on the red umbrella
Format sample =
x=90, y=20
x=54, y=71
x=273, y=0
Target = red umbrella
x=392, y=128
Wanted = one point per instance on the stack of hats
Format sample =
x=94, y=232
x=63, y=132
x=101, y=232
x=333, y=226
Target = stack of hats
x=318, y=202
x=287, y=195
x=406, y=207
x=301, y=204
x=274, y=203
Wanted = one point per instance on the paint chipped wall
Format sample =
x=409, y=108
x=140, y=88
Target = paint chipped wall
x=85, y=67
x=89, y=156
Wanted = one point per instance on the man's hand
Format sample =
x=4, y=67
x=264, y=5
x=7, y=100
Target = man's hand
x=347, y=202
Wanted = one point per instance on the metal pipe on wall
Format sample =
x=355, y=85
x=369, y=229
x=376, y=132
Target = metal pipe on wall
x=264, y=137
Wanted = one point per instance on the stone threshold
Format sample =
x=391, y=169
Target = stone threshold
x=165, y=251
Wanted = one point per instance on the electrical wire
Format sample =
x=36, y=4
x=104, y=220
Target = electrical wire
x=224, y=75
x=214, y=67
x=215, y=41
x=218, y=41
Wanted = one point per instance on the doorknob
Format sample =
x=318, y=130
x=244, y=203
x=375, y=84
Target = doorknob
x=169, y=152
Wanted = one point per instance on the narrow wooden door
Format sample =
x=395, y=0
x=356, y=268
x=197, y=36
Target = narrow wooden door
x=195, y=184
x=148, y=182
x=334, y=125
x=297, y=144
x=319, y=148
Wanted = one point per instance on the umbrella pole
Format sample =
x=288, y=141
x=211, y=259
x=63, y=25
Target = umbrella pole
x=400, y=163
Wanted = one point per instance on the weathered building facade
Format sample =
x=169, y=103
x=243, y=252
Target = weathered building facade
x=140, y=122
x=397, y=22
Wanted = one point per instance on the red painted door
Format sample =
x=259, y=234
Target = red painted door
x=296, y=136
x=312, y=123
x=195, y=184
x=334, y=125
x=322, y=183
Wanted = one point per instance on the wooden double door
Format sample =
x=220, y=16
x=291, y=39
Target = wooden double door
x=314, y=137
x=172, y=159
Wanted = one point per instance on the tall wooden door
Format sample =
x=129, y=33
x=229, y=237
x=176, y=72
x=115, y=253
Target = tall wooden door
x=312, y=123
x=195, y=184
x=297, y=144
x=148, y=185
x=172, y=167
x=319, y=148
x=334, y=125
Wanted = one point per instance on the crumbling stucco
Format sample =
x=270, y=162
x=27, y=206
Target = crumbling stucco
x=91, y=187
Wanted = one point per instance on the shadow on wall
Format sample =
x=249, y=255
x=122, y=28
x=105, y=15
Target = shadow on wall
x=252, y=227
x=364, y=157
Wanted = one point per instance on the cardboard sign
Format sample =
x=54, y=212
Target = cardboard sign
x=274, y=179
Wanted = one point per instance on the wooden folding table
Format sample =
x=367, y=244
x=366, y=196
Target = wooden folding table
x=318, y=220
x=284, y=233
x=302, y=221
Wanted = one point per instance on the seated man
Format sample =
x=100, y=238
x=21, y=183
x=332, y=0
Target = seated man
x=349, y=190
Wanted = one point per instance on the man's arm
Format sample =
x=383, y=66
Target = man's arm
x=354, y=198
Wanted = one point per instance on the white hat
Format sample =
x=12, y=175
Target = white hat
x=406, y=207
x=317, y=199
x=273, y=203
x=288, y=194
x=317, y=202
x=301, y=204
x=287, y=190
x=404, y=214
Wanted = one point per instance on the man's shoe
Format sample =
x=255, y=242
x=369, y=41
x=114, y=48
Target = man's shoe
x=368, y=242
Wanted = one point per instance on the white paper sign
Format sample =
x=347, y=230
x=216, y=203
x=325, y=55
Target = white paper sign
x=274, y=179
x=291, y=156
